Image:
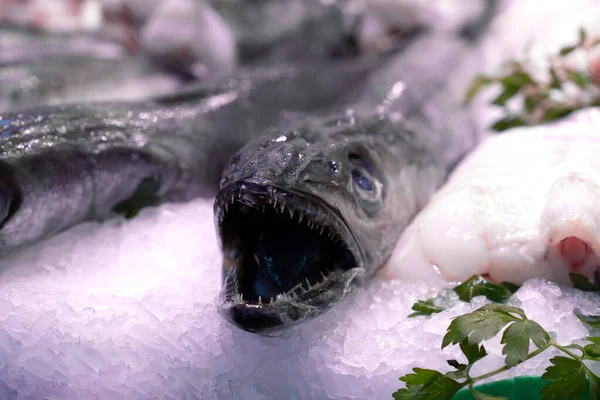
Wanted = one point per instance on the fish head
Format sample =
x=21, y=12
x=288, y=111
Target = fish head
x=300, y=217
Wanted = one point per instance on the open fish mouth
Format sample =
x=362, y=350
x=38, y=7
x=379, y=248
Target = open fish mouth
x=286, y=256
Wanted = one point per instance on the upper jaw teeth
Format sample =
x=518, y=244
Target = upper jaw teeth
x=279, y=206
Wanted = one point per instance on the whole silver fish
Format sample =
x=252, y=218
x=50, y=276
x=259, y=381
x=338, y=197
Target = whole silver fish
x=310, y=205
x=292, y=29
x=39, y=68
x=64, y=164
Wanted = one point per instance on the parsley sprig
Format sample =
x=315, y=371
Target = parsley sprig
x=476, y=285
x=566, y=376
x=544, y=99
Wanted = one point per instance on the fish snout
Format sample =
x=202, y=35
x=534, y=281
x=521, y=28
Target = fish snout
x=251, y=319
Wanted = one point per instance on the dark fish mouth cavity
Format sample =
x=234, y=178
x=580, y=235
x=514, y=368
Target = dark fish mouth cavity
x=287, y=256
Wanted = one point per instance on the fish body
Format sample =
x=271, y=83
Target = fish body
x=292, y=30
x=309, y=214
x=333, y=161
x=65, y=164
x=38, y=69
x=521, y=205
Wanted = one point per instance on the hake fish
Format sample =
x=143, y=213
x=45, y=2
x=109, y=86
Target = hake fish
x=38, y=68
x=309, y=206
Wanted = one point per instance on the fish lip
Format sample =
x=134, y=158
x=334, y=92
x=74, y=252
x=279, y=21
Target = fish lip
x=300, y=303
x=287, y=311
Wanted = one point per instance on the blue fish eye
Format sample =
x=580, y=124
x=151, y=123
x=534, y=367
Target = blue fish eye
x=362, y=181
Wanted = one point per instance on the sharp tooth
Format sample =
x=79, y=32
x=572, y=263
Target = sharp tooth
x=322, y=230
x=282, y=208
x=291, y=213
x=323, y=276
x=300, y=218
x=226, y=206
x=259, y=300
x=308, y=283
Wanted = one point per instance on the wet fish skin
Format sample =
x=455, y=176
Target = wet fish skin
x=18, y=45
x=292, y=30
x=65, y=164
x=361, y=176
x=39, y=69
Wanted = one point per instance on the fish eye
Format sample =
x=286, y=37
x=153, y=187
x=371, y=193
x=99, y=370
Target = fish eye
x=368, y=186
x=362, y=181
x=362, y=173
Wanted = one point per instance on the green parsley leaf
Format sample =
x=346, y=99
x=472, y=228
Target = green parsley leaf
x=592, y=352
x=582, y=36
x=477, y=286
x=427, y=384
x=481, y=324
x=567, y=50
x=507, y=123
x=582, y=283
x=590, y=320
x=516, y=340
x=594, y=385
x=425, y=308
x=145, y=195
x=567, y=379
x=504, y=308
x=511, y=85
x=593, y=339
x=461, y=370
x=478, y=83
x=579, y=79
x=555, y=80
x=473, y=352
x=554, y=113
x=529, y=104
x=456, y=364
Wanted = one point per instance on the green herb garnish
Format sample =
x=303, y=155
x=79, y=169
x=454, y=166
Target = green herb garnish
x=582, y=283
x=478, y=286
x=425, y=308
x=543, y=101
x=474, y=286
x=566, y=376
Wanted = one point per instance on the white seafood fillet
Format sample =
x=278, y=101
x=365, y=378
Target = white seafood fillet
x=524, y=204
